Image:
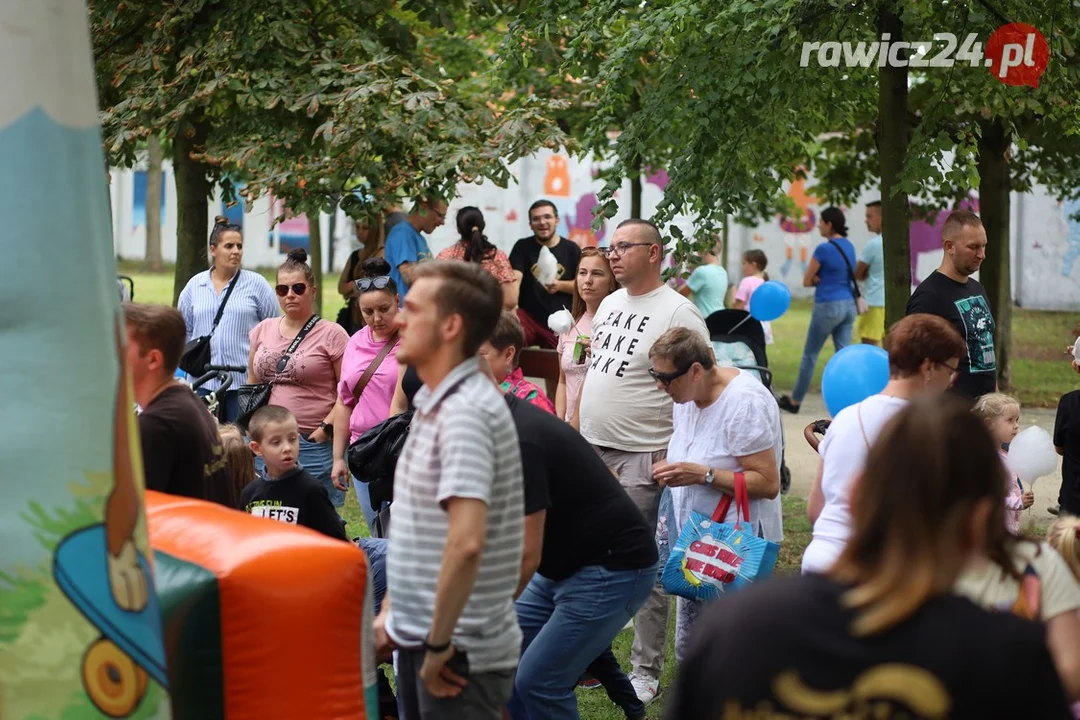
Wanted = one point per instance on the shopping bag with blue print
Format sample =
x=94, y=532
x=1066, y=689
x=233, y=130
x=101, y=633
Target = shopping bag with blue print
x=713, y=558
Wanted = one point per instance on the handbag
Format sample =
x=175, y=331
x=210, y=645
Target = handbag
x=196, y=355
x=861, y=305
x=379, y=492
x=252, y=396
x=712, y=558
x=373, y=458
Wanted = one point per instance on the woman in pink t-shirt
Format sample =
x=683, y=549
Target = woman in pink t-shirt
x=361, y=408
x=307, y=386
x=475, y=247
x=593, y=283
x=754, y=263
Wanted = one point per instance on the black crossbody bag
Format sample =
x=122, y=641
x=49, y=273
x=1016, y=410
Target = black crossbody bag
x=252, y=396
x=196, y=355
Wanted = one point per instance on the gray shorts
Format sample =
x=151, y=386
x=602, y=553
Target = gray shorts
x=483, y=697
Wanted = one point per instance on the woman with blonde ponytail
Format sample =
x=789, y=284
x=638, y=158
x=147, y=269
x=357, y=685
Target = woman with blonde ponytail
x=474, y=246
x=882, y=634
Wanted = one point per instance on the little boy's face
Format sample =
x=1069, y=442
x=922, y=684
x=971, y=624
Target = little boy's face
x=279, y=447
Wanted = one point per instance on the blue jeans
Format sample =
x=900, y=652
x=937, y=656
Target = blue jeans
x=319, y=461
x=566, y=625
x=364, y=498
x=836, y=318
x=375, y=549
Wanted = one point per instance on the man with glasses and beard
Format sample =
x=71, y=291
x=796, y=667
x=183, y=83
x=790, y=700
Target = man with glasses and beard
x=623, y=414
x=951, y=293
x=535, y=300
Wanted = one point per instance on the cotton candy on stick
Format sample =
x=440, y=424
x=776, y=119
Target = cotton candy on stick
x=1032, y=454
x=547, y=267
x=560, y=321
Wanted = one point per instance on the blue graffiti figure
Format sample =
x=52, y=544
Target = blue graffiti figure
x=1072, y=252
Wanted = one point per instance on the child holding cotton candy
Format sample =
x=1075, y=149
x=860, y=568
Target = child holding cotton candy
x=1001, y=413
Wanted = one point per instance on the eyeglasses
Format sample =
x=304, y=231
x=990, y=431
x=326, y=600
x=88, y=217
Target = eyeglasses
x=666, y=379
x=297, y=288
x=540, y=218
x=954, y=370
x=379, y=283
x=619, y=249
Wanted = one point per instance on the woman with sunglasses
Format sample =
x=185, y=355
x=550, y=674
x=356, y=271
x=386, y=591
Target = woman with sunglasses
x=473, y=246
x=250, y=302
x=594, y=282
x=725, y=429
x=361, y=407
x=924, y=352
x=306, y=383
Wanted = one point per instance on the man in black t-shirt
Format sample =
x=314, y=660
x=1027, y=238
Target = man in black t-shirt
x=182, y=451
x=785, y=648
x=595, y=563
x=951, y=293
x=536, y=301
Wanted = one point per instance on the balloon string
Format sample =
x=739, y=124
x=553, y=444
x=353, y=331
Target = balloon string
x=739, y=324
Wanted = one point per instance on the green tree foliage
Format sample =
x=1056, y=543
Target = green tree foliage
x=307, y=100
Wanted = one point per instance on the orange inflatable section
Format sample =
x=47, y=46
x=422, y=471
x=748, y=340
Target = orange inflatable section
x=293, y=610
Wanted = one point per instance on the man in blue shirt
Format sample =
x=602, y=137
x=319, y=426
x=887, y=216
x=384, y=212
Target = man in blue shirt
x=405, y=246
x=871, y=269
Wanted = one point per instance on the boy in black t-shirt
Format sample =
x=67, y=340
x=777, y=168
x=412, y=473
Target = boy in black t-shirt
x=287, y=493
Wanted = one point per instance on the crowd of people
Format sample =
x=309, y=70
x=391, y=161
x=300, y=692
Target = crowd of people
x=520, y=533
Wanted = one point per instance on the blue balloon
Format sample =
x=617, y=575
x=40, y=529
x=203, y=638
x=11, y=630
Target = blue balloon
x=854, y=374
x=771, y=300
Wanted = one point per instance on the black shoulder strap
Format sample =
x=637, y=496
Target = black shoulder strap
x=284, y=361
x=850, y=270
x=228, y=292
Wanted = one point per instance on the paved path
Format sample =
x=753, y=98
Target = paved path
x=803, y=462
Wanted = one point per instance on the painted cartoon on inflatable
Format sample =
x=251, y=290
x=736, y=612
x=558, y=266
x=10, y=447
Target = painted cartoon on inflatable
x=80, y=628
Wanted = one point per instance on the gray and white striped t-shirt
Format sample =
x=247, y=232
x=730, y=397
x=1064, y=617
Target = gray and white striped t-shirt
x=462, y=444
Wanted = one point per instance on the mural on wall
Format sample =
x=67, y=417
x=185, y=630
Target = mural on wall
x=1069, y=209
x=138, y=202
x=926, y=238
x=292, y=232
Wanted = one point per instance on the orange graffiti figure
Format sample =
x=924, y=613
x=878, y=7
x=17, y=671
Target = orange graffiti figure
x=798, y=229
x=557, y=177
x=126, y=576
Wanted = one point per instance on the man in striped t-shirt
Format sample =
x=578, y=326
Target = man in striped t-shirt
x=458, y=513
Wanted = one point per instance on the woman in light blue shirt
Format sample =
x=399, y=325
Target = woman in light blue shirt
x=830, y=274
x=251, y=301
x=708, y=284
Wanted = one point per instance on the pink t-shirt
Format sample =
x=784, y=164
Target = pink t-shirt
x=308, y=387
x=574, y=373
x=374, y=404
x=746, y=288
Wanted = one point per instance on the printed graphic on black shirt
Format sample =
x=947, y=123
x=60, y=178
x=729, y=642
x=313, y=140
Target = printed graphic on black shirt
x=979, y=333
x=616, y=340
x=274, y=510
x=879, y=691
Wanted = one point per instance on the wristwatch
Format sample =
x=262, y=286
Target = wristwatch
x=709, y=477
x=327, y=428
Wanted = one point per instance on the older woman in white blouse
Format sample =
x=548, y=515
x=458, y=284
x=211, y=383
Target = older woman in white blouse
x=725, y=422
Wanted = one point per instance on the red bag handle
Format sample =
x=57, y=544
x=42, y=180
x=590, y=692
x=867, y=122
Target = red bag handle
x=742, y=502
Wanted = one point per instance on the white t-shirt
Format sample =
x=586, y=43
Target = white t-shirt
x=843, y=452
x=744, y=420
x=621, y=407
x=992, y=589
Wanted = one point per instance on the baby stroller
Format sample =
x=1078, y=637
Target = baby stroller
x=214, y=398
x=738, y=341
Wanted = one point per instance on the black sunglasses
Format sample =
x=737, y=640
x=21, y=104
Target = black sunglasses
x=379, y=283
x=297, y=288
x=667, y=378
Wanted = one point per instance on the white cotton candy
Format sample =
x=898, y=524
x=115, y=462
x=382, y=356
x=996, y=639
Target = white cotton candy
x=561, y=321
x=547, y=267
x=1032, y=454
x=1076, y=351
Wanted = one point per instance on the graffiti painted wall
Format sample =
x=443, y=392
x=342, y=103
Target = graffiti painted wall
x=1045, y=246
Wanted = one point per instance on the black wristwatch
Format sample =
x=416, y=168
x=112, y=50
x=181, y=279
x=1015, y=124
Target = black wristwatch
x=327, y=428
x=436, y=648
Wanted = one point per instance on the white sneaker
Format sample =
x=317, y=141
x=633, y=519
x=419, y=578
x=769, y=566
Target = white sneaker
x=646, y=688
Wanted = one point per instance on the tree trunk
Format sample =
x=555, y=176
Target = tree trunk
x=892, y=149
x=315, y=255
x=635, y=164
x=994, y=204
x=193, y=188
x=155, y=156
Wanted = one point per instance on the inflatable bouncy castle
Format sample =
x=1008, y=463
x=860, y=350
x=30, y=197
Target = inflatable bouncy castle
x=222, y=615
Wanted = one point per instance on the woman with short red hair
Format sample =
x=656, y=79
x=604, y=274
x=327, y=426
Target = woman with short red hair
x=924, y=354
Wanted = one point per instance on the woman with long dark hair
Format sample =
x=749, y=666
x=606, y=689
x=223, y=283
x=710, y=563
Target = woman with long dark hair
x=882, y=633
x=830, y=274
x=474, y=246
